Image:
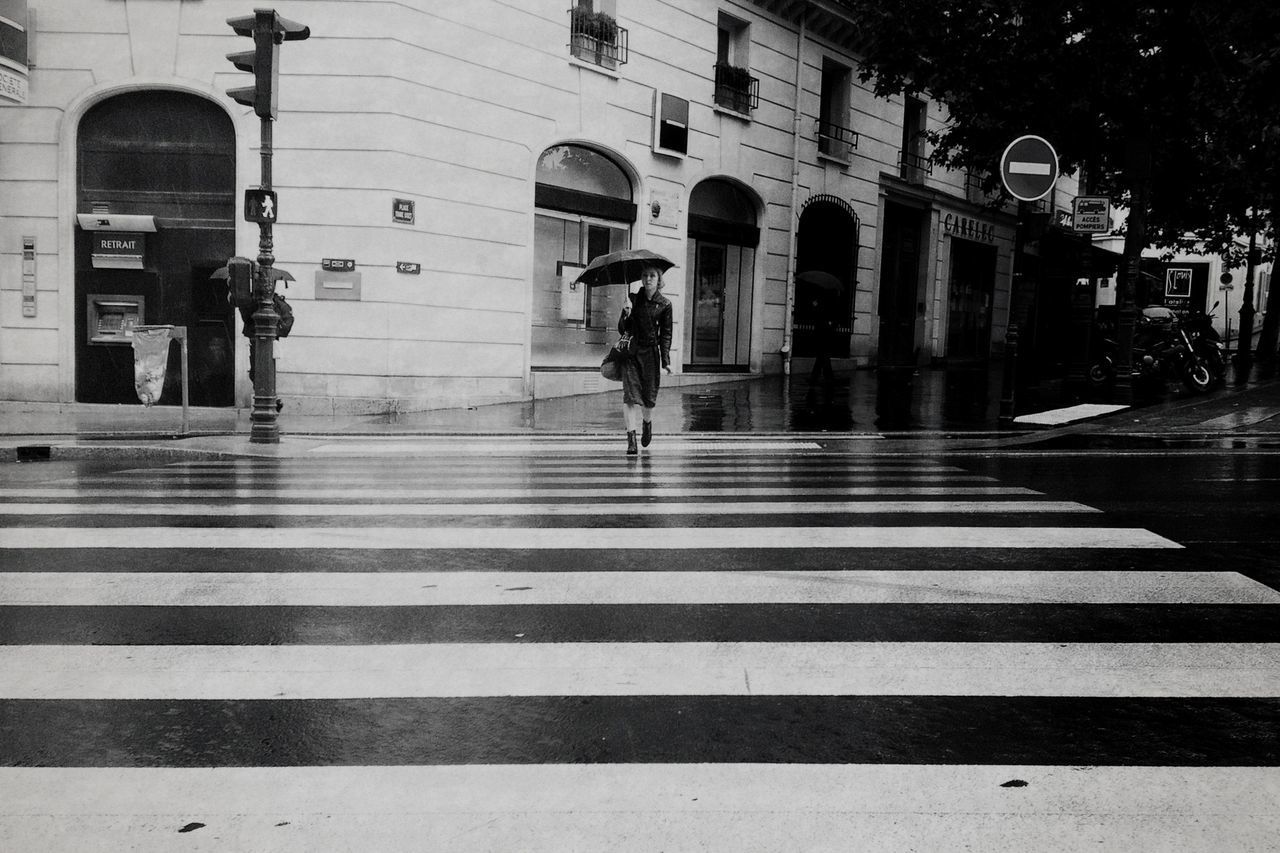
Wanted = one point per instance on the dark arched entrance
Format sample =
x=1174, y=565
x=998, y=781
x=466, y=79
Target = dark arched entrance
x=155, y=198
x=826, y=278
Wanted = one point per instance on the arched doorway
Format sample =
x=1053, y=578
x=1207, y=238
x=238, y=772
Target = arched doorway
x=723, y=238
x=155, y=198
x=826, y=278
x=584, y=209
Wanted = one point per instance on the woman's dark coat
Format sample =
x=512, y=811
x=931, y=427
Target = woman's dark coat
x=649, y=324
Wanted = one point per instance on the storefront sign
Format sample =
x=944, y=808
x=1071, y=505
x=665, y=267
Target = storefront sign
x=969, y=229
x=119, y=250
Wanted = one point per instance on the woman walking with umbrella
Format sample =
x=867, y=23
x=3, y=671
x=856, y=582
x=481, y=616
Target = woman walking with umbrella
x=646, y=316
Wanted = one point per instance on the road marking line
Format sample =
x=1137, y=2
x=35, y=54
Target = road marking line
x=214, y=510
x=574, y=538
x=480, y=493
x=87, y=800
x=193, y=672
x=531, y=476
x=466, y=588
x=368, y=446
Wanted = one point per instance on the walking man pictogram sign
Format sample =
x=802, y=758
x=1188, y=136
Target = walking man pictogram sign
x=259, y=206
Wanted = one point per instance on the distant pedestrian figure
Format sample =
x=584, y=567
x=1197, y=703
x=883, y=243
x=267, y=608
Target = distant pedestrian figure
x=824, y=333
x=647, y=318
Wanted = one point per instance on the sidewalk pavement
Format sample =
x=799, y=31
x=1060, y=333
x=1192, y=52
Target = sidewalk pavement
x=923, y=408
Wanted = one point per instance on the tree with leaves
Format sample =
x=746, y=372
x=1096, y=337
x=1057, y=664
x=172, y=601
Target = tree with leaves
x=1161, y=102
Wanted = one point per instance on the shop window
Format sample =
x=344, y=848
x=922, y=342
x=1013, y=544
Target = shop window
x=723, y=238
x=584, y=210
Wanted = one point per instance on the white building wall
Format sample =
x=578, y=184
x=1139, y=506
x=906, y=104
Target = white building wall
x=448, y=105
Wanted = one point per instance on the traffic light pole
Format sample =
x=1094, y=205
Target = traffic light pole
x=263, y=425
x=268, y=30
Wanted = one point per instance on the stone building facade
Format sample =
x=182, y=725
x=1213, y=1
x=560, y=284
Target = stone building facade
x=444, y=169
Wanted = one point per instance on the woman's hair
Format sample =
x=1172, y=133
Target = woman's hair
x=645, y=269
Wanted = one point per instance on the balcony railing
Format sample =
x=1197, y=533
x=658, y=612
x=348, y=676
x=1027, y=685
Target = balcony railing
x=973, y=190
x=914, y=167
x=836, y=141
x=736, y=89
x=597, y=40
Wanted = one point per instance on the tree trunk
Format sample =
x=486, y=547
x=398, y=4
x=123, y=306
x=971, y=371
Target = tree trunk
x=1267, y=356
x=1244, y=349
x=1138, y=169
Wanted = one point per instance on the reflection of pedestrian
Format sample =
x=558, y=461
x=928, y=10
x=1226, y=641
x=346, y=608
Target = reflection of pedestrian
x=647, y=318
x=824, y=330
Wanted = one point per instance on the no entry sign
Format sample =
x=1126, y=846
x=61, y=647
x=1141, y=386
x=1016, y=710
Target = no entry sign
x=1029, y=167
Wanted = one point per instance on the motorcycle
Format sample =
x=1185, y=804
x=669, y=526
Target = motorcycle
x=1207, y=343
x=1162, y=350
x=1102, y=362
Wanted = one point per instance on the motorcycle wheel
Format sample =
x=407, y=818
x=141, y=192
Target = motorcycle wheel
x=1101, y=373
x=1196, y=376
x=1216, y=363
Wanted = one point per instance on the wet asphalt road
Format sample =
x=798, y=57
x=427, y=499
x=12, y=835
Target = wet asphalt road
x=1136, y=686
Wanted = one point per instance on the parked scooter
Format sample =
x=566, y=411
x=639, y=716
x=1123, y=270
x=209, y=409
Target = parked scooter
x=1102, y=361
x=1207, y=343
x=1163, y=351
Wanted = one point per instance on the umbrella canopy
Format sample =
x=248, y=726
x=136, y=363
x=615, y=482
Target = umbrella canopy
x=277, y=274
x=819, y=279
x=622, y=267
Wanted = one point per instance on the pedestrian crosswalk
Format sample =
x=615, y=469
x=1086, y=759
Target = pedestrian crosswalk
x=513, y=645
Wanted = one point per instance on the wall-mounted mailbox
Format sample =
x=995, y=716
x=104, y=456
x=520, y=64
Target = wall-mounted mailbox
x=337, y=285
x=112, y=318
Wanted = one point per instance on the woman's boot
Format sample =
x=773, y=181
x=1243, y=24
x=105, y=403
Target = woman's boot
x=632, y=449
x=646, y=434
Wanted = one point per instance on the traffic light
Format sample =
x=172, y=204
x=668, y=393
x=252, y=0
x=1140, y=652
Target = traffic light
x=268, y=30
x=240, y=281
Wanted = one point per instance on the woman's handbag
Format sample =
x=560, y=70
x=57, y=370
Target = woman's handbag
x=611, y=367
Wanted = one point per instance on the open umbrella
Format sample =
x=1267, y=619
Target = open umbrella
x=622, y=267
x=820, y=279
x=277, y=274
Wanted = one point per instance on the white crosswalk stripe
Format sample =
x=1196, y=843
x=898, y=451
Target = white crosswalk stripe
x=278, y=677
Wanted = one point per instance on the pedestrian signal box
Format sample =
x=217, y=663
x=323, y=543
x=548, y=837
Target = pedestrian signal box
x=260, y=206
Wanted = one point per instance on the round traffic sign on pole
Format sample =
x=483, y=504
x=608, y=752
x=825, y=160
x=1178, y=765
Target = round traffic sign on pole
x=1029, y=168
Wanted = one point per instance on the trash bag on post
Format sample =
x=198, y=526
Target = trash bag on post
x=150, y=361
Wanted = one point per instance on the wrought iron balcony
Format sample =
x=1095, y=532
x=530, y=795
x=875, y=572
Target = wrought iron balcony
x=914, y=167
x=836, y=141
x=596, y=38
x=736, y=89
x=973, y=189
